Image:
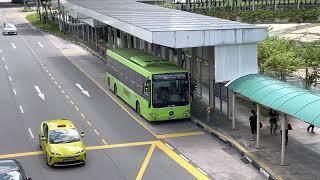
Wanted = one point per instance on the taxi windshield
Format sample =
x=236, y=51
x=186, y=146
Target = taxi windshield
x=63, y=136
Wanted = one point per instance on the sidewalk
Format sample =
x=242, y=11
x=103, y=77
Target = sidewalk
x=303, y=150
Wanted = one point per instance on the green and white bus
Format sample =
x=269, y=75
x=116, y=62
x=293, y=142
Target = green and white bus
x=156, y=88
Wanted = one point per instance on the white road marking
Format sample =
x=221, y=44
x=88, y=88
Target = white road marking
x=169, y=146
x=55, y=82
x=40, y=44
x=89, y=123
x=96, y=132
x=47, y=70
x=52, y=78
x=6, y=67
x=21, y=109
x=82, y=90
x=30, y=132
x=202, y=171
x=83, y=116
x=59, y=87
x=10, y=78
x=2, y=58
x=72, y=102
x=76, y=108
x=184, y=157
x=14, y=46
x=41, y=95
x=67, y=96
x=50, y=74
x=14, y=91
x=63, y=91
x=104, y=141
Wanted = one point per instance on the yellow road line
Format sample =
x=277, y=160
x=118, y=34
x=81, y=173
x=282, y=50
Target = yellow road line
x=194, y=133
x=121, y=145
x=145, y=162
x=194, y=171
x=113, y=98
x=20, y=154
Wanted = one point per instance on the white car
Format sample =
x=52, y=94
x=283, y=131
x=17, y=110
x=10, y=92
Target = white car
x=9, y=28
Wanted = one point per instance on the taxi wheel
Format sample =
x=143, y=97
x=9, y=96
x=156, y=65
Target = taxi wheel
x=47, y=159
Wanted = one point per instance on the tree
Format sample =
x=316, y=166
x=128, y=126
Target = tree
x=279, y=57
x=311, y=55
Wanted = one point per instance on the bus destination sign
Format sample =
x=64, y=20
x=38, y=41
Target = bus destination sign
x=181, y=76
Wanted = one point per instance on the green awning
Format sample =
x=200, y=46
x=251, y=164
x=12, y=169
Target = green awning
x=278, y=95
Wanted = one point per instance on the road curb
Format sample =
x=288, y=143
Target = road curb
x=251, y=158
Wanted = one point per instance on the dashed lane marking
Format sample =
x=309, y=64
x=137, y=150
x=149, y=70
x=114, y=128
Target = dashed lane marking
x=14, y=91
x=145, y=162
x=30, y=132
x=56, y=82
x=13, y=45
x=97, y=132
x=10, y=78
x=83, y=116
x=194, y=133
x=63, y=92
x=2, y=58
x=21, y=109
x=76, y=107
x=50, y=74
x=6, y=67
x=59, y=87
x=72, y=102
x=104, y=141
x=67, y=96
x=89, y=123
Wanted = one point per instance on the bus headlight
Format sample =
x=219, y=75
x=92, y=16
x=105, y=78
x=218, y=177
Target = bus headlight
x=154, y=115
x=188, y=112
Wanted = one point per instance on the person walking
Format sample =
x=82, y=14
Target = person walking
x=273, y=121
x=253, y=123
x=312, y=127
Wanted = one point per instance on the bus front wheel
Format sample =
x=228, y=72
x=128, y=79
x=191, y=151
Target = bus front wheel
x=138, y=107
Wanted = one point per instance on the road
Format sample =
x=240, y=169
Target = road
x=39, y=83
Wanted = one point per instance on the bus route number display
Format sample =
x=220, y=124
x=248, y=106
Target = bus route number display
x=169, y=76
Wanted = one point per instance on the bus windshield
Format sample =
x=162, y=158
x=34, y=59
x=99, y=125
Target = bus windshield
x=170, y=90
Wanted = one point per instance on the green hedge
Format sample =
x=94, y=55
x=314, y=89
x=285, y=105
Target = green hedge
x=265, y=15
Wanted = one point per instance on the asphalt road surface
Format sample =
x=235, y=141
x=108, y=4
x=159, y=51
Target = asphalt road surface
x=39, y=83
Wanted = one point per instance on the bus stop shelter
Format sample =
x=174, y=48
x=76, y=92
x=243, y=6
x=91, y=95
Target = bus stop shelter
x=280, y=96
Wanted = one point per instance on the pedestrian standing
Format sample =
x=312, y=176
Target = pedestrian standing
x=289, y=127
x=312, y=127
x=253, y=123
x=273, y=122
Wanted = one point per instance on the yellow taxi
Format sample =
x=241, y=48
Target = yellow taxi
x=61, y=143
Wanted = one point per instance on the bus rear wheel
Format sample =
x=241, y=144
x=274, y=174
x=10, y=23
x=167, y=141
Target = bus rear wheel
x=138, y=107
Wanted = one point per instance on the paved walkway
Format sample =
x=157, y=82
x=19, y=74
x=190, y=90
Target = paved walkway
x=303, y=153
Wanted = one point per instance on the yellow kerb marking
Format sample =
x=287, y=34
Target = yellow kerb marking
x=194, y=133
x=194, y=171
x=121, y=145
x=20, y=154
x=145, y=162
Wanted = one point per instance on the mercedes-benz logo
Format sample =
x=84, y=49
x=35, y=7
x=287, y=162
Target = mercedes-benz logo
x=171, y=113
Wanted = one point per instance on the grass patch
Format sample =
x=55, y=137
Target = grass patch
x=51, y=27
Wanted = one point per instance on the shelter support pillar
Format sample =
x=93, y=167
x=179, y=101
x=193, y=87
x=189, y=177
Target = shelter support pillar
x=233, y=110
x=146, y=46
x=83, y=36
x=115, y=39
x=96, y=38
x=88, y=33
x=211, y=59
x=166, y=52
x=150, y=48
x=179, y=55
x=258, y=126
x=194, y=67
x=142, y=42
x=123, y=45
x=92, y=35
x=284, y=124
x=110, y=39
x=129, y=40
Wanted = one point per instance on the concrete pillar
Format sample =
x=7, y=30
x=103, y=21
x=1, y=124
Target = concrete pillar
x=220, y=97
x=156, y=49
x=146, y=46
x=115, y=40
x=110, y=39
x=258, y=126
x=96, y=38
x=78, y=34
x=228, y=104
x=166, y=52
x=233, y=110
x=83, y=36
x=194, y=66
x=88, y=33
x=211, y=59
x=284, y=125
x=150, y=48
x=179, y=55
x=92, y=35
x=129, y=39
x=142, y=44
x=122, y=39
